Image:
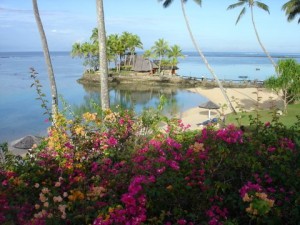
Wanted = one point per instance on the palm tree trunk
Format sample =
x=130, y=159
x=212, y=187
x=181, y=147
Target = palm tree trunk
x=261, y=45
x=47, y=59
x=103, y=68
x=159, y=65
x=150, y=66
x=205, y=60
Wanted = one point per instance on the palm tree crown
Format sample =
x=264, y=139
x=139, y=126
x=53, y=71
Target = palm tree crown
x=169, y=2
x=160, y=49
x=251, y=4
x=292, y=9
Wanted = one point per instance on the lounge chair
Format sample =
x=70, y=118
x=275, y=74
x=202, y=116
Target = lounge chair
x=206, y=122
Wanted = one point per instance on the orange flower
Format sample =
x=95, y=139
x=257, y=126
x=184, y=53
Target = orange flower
x=76, y=195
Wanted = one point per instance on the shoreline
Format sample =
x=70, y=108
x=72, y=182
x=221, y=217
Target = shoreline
x=166, y=80
x=244, y=98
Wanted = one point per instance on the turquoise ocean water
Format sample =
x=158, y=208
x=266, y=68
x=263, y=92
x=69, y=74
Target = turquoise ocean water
x=21, y=114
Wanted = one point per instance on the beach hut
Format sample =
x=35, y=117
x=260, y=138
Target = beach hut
x=142, y=64
x=209, y=105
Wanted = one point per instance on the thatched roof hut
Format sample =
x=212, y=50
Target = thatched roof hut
x=142, y=64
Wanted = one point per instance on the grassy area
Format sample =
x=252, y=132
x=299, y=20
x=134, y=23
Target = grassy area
x=266, y=115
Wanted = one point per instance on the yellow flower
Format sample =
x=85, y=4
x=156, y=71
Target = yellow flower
x=79, y=130
x=111, y=209
x=89, y=117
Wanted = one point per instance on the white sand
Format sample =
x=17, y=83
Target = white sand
x=241, y=98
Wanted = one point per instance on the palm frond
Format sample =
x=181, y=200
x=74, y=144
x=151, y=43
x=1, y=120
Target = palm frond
x=262, y=6
x=233, y=6
x=240, y=15
x=166, y=3
x=292, y=8
x=198, y=2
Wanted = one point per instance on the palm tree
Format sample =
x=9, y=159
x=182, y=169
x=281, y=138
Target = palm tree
x=94, y=36
x=160, y=49
x=292, y=9
x=133, y=43
x=76, y=50
x=124, y=44
x=111, y=48
x=251, y=4
x=148, y=54
x=174, y=53
x=47, y=59
x=199, y=2
x=103, y=67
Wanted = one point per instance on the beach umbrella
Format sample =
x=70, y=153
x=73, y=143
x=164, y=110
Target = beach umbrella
x=209, y=105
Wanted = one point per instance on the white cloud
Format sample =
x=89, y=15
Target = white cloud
x=67, y=31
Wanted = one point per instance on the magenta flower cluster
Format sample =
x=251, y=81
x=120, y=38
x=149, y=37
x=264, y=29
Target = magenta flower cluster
x=119, y=176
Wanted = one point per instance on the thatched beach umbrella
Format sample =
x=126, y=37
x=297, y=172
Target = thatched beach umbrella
x=209, y=105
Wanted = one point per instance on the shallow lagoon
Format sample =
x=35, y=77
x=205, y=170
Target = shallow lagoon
x=21, y=114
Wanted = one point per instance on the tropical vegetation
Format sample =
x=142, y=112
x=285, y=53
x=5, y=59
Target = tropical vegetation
x=164, y=54
x=121, y=50
x=118, y=48
x=121, y=168
x=292, y=9
x=118, y=167
x=287, y=85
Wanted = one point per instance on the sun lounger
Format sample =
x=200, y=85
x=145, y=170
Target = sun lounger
x=206, y=122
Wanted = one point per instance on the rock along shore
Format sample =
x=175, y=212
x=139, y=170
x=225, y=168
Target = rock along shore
x=165, y=80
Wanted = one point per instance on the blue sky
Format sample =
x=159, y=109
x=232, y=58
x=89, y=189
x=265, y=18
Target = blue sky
x=68, y=21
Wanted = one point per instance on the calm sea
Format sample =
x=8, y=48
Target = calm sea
x=21, y=114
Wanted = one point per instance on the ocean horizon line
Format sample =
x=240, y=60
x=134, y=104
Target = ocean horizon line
x=189, y=53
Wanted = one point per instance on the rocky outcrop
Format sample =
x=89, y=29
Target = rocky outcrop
x=141, y=78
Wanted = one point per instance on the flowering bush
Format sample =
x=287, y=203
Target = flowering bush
x=106, y=170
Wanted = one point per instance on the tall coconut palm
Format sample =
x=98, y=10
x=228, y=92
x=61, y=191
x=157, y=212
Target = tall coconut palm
x=160, y=49
x=174, y=53
x=133, y=43
x=292, y=9
x=124, y=44
x=103, y=67
x=118, y=47
x=166, y=3
x=47, y=59
x=148, y=54
x=251, y=4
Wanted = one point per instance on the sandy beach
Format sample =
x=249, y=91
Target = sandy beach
x=242, y=98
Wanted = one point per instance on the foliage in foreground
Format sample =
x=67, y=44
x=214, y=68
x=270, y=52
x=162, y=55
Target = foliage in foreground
x=112, y=170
